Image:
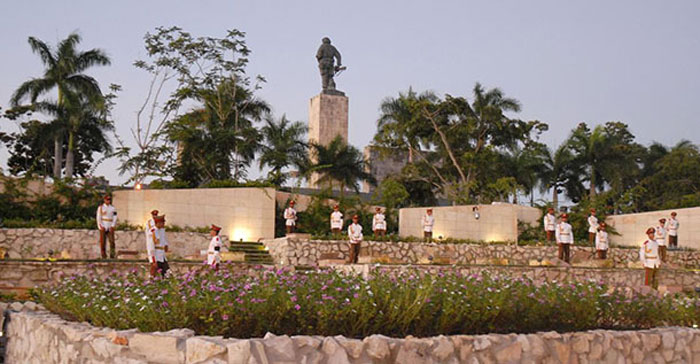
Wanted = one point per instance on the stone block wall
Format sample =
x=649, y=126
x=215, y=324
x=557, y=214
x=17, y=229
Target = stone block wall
x=243, y=213
x=496, y=222
x=42, y=337
x=632, y=227
x=84, y=244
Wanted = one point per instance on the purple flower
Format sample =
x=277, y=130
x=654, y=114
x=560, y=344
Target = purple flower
x=165, y=304
x=164, y=292
x=297, y=307
x=293, y=298
x=224, y=317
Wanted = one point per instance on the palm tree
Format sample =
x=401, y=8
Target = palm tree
x=338, y=162
x=283, y=146
x=64, y=69
x=558, y=173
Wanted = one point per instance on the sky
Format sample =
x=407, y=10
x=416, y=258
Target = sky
x=635, y=61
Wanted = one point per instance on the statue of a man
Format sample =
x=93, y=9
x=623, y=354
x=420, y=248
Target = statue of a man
x=326, y=56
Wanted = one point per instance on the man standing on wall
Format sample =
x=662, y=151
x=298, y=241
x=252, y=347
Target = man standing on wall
x=660, y=236
x=336, y=221
x=157, y=246
x=427, y=222
x=601, y=242
x=290, y=217
x=550, y=224
x=355, y=235
x=107, y=222
x=592, y=226
x=649, y=256
x=565, y=238
x=672, y=227
x=379, y=222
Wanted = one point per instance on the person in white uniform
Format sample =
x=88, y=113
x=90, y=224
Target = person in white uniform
x=355, y=235
x=672, y=227
x=290, y=217
x=565, y=237
x=550, y=225
x=336, y=221
x=379, y=222
x=106, y=223
x=649, y=256
x=660, y=236
x=592, y=226
x=601, y=241
x=428, y=222
x=214, y=250
x=151, y=223
x=157, y=246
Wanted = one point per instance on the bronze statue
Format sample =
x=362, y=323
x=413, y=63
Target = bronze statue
x=326, y=56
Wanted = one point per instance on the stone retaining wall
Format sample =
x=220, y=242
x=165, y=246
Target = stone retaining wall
x=84, y=244
x=293, y=251
x=42, y=337
x=28, y=274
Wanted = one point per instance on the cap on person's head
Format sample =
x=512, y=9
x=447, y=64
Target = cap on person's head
x=335, y=207
x=564, y=216
x=215, y=228
x=355, y=217
x=651, y=230
x=160, y=218
x=550, y=209
x=602, y=224
x=291, y=202
x=154, y=213
x=673, y=213
x=378, y=209
x=429, y=209
x=592, y=210
x=662, y=220
x=107, y=197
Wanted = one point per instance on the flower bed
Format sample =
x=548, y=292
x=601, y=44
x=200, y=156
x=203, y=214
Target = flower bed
x=330, y=303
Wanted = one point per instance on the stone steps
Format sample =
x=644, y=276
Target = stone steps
x=254, y=252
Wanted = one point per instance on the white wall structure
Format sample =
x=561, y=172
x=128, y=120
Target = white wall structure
x=497, y=222
x=632, y=227
x=243, y=213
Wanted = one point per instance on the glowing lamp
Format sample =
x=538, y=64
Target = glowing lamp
x=138, y=186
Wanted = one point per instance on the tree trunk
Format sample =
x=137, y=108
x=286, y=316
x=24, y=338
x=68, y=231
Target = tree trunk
x=592, y=187
x=555, y=199
x=57, y=157
x=70, y=155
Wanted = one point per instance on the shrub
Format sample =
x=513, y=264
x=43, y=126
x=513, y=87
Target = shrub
x=330, y=303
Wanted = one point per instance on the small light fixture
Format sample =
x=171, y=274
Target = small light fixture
x=475, y=210
x=138, y=186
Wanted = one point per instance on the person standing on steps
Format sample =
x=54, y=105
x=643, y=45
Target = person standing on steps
x=379, y=222
x=336, y=221
x=592, y=226
x=214, y=251
x=427, y=222
x=290, y=217
x=601, y=241
x=550, y=224
x=107, y=222
x=672, y=227
x=355, y=235
x=565, y=238
x=157, y=246
x=649, y=256
x=660, y=236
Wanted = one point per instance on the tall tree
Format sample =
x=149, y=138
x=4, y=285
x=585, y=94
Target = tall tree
x=64, y=71
x=338, y=163
x=559, y=173
x=283, y=146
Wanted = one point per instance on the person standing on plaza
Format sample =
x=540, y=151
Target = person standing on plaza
x=336, y=221
x=107, y=222
x=428, y=222
x=355, y=235
x=592, y=226
x=214, y=251
x=550, y=224
x=601, y=241
x=157, y=246
x=660, y=236
x=649, y=256
x=290, y=217
x=151, y=223
x=379, y=222
x=565, y=238
x=672, y=227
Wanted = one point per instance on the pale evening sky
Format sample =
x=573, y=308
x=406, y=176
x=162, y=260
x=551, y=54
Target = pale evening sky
x=594, y=61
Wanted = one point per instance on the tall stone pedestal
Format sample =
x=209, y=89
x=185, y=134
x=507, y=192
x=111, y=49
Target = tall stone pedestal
x=328, y=118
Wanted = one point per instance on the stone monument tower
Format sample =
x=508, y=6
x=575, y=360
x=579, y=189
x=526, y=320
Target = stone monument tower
x=328, y=111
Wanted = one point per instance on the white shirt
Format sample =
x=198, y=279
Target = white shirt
x=156, y=241
x=592, y=224
x=649, y=254
x=106, y=216
x=355, y=233
x=601, y=240
x=550, y=222
x=379, y=222
x=214, y=255
x=428, y=222
x=564, y=233
x=672, y=226
x=660, y=235
x=336, y=220
x=290, y=215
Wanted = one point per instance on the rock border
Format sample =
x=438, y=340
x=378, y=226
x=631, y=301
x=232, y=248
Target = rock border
x=36, y=335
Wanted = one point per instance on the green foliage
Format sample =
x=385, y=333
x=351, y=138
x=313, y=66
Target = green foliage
x=329, y=303
x=337, y=164
x=284, y=147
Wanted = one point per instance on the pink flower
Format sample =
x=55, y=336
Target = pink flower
x=293, y=298
x=297, y=307
x=224, y=317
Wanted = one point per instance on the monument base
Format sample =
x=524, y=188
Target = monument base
x=328, y=118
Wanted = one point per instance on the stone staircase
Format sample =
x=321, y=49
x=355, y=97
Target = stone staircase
x=254, y=252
